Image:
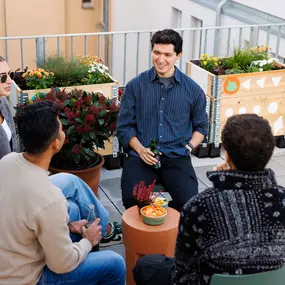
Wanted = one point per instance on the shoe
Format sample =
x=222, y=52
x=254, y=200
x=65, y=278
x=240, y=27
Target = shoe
x=115, y=237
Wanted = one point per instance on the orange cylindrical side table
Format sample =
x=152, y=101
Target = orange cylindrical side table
x=141, y=239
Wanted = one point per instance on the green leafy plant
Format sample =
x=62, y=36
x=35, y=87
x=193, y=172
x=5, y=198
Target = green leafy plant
x=88, y=120
x=255, y=59
x=67, y=72
x=38, y=78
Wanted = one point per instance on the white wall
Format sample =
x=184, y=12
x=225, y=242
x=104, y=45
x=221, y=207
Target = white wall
x=274, y=7
x=133, y=15
x=150, y=15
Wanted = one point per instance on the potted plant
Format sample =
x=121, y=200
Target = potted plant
x=88, y=120
x=84, y=72
x=144, y=195
x=250, y=81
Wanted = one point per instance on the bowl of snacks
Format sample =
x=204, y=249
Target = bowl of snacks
x=161, y=201
x=153, y=215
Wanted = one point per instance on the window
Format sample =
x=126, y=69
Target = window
x=195, y=38
x=87, y=3
x=175, y=18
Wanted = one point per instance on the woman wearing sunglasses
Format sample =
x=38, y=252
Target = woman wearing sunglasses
x=8, y=141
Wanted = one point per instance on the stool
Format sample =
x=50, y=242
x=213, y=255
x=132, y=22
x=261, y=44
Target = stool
x=141, y=239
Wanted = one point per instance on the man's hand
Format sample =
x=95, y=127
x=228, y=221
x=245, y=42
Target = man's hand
x=147, y=156
x=93, y=232
x=223, y=166
x=76, y=227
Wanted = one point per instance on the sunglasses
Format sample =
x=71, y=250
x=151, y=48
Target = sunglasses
x=4, y=77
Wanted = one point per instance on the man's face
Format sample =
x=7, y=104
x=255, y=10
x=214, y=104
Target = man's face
x=5, y=88
x=164, y=58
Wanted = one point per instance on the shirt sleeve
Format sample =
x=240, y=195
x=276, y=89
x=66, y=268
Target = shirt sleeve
x=61, y=254
x=187, y=251
x=199, y=116
x=126, y=123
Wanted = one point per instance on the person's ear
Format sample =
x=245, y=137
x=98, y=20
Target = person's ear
x=228, y=159
x=55, y=145
x=178, y=56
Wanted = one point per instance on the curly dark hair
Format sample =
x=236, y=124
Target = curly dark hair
x=168, y=36
x=249, y=141
x=38, y=126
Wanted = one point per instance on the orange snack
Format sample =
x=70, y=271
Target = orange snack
x=153, y=211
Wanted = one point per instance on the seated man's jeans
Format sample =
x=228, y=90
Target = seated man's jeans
x=103, y=267
x=77, y=191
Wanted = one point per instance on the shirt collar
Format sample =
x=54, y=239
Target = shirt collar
x=237, y=179
x=153, y=75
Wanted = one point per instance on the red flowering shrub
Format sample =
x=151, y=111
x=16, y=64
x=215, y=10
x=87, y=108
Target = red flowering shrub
x=143, y=194
x=88, y=119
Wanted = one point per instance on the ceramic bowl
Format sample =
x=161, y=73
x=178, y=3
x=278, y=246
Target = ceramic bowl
x=160, y=201
x=153, y=221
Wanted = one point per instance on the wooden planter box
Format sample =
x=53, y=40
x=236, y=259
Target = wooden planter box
x=110, y=90
x=262, y=93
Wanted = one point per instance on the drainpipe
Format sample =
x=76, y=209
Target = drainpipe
x=218, y=23
x=106, y=29
x=5, y=27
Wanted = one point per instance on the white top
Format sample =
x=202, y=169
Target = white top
x=33, y=224
x=7, y=129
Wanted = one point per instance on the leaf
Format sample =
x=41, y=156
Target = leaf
x=64, y=122
x=102, y=113
x=79, y=120
x=70, y=130
x=65, y=103
x=92, y=136
x=86, y=137
x=101, y=122
x=89, y=152
x=76, y=158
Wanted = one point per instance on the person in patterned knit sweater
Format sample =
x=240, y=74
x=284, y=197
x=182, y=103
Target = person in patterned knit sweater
x=238, y=225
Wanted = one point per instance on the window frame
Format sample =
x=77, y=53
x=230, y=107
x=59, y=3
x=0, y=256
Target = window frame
x=88, y=5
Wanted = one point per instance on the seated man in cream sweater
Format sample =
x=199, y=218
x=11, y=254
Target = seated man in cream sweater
x=35, y=243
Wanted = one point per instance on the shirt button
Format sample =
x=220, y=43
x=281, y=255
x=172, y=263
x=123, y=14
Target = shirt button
x=160, y=136
x=160, y=124
x=162, y=86
x=162, y=98
x=160, y=111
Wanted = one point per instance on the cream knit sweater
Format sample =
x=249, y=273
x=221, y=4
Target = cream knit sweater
x=33, y=219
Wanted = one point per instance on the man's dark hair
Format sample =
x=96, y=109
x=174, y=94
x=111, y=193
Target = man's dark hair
x=38, y=126
x=166, y=37
x=249, y=141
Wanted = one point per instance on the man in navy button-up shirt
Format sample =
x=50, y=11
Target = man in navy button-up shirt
x=166, y=105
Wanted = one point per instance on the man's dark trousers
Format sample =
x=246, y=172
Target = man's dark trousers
x=177, y=175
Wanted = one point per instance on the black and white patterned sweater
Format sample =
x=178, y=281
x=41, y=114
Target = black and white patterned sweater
x=236, y=227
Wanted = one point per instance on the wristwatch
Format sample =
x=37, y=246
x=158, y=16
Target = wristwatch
x=191, y=145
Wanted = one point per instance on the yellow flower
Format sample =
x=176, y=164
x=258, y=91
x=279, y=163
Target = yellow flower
x=202, y=58
x=52, y=73
x=31, y=74
x=205, y=62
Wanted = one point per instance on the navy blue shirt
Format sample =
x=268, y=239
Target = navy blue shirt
x=169, y=115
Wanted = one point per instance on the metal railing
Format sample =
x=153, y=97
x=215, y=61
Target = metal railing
x=127, y=53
